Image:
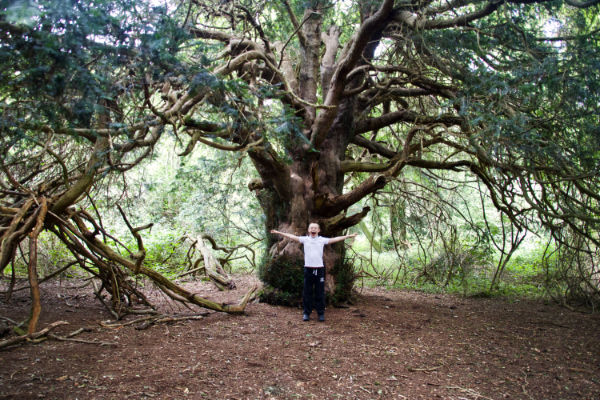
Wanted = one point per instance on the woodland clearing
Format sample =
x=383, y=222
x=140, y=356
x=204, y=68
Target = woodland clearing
x=388, y=344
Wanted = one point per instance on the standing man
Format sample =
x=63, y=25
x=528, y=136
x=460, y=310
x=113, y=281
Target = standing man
x=314, y=270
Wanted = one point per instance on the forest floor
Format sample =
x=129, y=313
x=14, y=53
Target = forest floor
x=388, y=345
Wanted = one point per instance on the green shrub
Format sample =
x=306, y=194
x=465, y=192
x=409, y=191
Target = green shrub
x=345, y=276
x=284, y=280
x=276, y=297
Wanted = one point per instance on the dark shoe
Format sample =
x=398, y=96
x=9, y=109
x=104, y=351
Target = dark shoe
x=321, y=318
x=306, y=317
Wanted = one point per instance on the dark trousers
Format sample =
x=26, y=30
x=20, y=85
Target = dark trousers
x=314, y=282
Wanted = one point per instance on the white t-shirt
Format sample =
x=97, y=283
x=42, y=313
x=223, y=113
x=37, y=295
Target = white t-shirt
x=313, y=250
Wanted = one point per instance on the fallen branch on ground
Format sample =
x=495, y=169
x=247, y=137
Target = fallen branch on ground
x=469, y=392
x=78, y=331
x=65, y=339
x=423, y=369
x=32, y=336
x=155, y=319
x=9, y=320
x=105, y=325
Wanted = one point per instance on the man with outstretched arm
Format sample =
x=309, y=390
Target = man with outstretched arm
x=314, y=270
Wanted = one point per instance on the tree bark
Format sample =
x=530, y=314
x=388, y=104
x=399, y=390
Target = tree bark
x=212, y=267
x=36, y=306
x=34, y=335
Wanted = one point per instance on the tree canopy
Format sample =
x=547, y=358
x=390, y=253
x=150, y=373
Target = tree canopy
x=331, y=101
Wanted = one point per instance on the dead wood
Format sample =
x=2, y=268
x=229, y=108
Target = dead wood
x=78, y=331
x=32, y=336
x=80, y=240
x=141, y=255
x=36, y=307
x=172, y=295
x=104, y=324
x=9, y=320
x=156, y=319
x=423, y=369
x=190, y=271
x=133, y=311
x=176, y=319
x=65, y=339
x=249, y=296
x=212, y=267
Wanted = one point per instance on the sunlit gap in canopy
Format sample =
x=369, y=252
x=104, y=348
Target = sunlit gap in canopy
x=552, y=29
x=137, y=13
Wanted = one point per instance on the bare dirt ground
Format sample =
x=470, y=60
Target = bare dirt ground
x=389, y=345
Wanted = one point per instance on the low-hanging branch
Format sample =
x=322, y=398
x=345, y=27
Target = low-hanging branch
x=435, y=86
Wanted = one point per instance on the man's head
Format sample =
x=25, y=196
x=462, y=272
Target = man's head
x=313, y=229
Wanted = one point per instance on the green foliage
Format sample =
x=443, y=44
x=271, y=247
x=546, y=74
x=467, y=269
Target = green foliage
x=21, y=11
x=71, y=61
x=197, y=194
x=472, y=272
x=529, y=109
x=164, y=251
x=286, y=130
x=278, y=297
x=510, y=99
x=345, y=276
x=285, y=273
x=571, y=275
x=53, y=254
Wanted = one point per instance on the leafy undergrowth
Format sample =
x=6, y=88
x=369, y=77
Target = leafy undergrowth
x=390, y=344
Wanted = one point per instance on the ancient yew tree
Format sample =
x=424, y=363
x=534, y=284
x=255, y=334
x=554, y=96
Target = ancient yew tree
x=331, y=101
